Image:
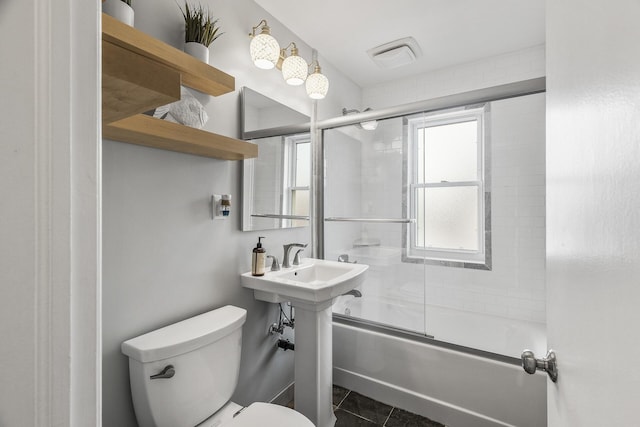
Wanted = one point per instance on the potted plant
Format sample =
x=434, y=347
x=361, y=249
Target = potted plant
x=200, y=30
x=119, y=9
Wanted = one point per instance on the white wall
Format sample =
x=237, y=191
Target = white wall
x=593, y=205
x=508, y=68
x=164, y=259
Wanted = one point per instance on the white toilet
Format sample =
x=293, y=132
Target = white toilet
x=184, y=374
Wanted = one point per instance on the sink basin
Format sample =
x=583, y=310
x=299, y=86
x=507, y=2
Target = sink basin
x=312, y=282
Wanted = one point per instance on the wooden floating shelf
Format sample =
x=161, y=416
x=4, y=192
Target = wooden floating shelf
x=140, y=73
x=195, y=73
x=133, y=84
x=152, y=132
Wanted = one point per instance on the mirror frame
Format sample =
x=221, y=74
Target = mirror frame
x=271, y=131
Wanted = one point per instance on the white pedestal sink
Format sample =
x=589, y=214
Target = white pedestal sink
x=311, y=288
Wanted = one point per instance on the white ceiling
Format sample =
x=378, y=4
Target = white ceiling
x=449, y=32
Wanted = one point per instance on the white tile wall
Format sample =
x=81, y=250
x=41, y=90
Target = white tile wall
x=342, y=188
x=515, y=287
x=268, y=189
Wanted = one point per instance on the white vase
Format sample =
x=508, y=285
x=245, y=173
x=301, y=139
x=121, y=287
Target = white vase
x=197, y=50
x=119, y=10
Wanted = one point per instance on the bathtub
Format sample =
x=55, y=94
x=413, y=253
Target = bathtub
x=489, y=333
x=456, y=386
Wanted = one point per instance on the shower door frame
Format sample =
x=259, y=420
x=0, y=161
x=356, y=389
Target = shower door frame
x=317, y=214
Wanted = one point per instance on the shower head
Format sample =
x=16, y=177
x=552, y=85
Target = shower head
x=366, y=125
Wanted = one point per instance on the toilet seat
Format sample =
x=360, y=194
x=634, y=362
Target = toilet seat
x=268, y=415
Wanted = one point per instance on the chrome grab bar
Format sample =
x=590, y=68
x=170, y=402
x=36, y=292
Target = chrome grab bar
x=375, y=220
x=278, y=216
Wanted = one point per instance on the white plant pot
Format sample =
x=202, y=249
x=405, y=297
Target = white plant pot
x=197, y=50
x=119, y=10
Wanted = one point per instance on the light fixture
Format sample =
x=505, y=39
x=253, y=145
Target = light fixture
x=266, y=54
x=367, y=125
x=294, y=68
x=264, y=49
x=317, y=83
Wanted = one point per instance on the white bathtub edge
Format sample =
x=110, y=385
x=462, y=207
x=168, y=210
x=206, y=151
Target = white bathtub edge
x=411, y=401
x=452, y=387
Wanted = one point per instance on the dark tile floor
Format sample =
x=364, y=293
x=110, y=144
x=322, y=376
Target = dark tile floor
x=355, y=410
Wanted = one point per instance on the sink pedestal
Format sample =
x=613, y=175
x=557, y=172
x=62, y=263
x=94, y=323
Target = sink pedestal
x=311, y=288
x=314, y=363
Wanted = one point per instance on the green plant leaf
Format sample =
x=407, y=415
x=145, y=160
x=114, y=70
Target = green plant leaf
x=199, y=25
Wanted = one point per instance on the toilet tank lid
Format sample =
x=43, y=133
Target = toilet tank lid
x=185, y=336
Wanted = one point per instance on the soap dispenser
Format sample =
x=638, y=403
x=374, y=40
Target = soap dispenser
x=257, y=259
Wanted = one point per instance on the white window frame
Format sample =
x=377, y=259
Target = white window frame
x=480, y=258
x=289, y=172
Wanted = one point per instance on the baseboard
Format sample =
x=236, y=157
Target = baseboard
x=284, y=397
x=437, y=410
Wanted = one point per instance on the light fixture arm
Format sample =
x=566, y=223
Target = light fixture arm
x=283, y=54
x=316, y=67
x=294, y=49
x=265, y=28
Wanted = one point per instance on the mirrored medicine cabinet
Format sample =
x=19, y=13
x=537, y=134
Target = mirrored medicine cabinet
x=275, y=185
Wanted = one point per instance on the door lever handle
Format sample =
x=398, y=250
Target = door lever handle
x=549, y=364
x=168, y=372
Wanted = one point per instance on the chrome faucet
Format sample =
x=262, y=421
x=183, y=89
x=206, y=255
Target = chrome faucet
x=275, y=265
x=287, y=249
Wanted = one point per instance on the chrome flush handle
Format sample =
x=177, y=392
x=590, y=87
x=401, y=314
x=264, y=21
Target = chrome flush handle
x=168, y=372
x=549, y=364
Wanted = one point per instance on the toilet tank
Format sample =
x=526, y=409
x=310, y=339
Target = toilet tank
x=205, y=354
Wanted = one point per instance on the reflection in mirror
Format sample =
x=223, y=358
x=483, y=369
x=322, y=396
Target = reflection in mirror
x=262, y=116
x=276, y=183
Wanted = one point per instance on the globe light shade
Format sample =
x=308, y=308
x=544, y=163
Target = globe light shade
x=317, y=85
x=264, y=50
x=294, y=70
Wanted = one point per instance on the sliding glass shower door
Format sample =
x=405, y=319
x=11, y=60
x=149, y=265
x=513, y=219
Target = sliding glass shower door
x=447, y=208
x=365, y=222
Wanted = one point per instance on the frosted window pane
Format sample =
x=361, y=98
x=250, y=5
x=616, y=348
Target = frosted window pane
x=303, y=164
x=449, y=152
x=447, y=218
x=300, y=206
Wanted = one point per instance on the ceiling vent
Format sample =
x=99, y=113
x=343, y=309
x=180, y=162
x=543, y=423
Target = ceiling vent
x=396, y=53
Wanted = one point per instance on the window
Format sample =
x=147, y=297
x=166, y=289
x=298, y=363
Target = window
x=297, y=177
x=446, y=188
